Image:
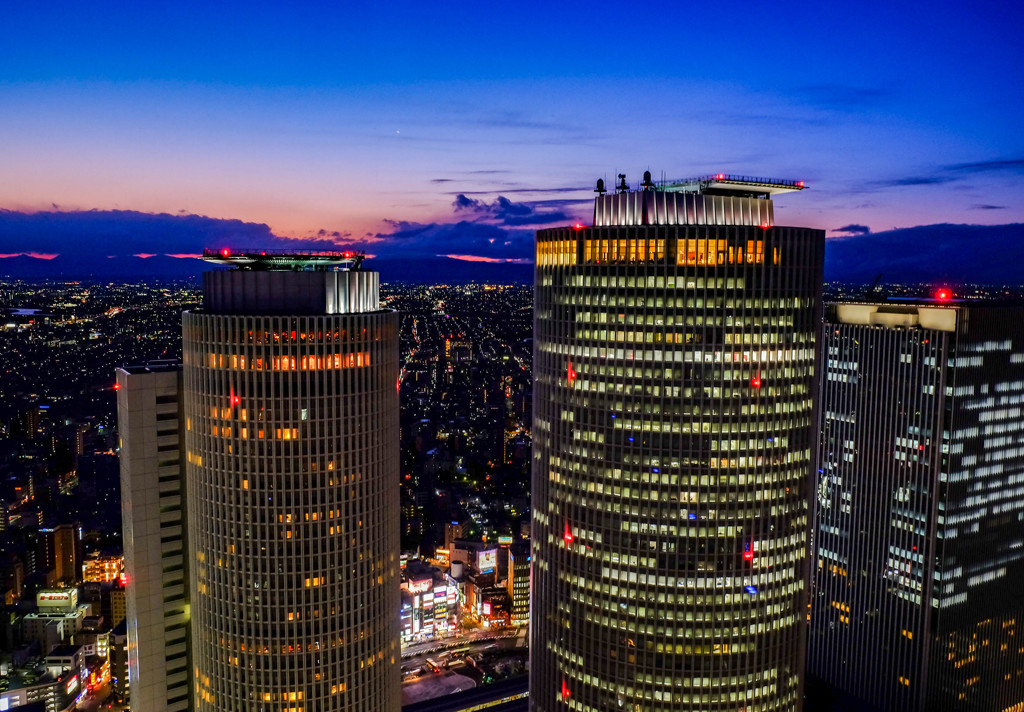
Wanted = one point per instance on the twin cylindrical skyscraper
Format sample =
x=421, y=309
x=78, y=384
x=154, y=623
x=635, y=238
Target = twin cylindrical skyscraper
x=674, y=352
x=291, y=420
x=674, y=427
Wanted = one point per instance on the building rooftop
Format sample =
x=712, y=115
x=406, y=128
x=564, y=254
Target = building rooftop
x=154, y=367
x=283, y=260
x=714, y=184
x=64, y=651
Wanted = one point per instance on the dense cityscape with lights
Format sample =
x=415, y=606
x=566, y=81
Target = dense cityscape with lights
x=465, y=389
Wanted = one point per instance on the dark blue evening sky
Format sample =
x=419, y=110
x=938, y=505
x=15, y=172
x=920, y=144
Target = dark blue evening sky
x=358, y=117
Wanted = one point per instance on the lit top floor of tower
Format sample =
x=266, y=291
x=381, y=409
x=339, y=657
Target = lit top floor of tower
x=719, y=199
x=674, y=353
x=291, y=419
x=271, y=282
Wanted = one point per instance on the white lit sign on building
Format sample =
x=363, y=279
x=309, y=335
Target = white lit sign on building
x=421, y=585
x=487, y=561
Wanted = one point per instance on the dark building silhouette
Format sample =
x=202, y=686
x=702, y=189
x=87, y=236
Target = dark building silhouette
x=918, y=553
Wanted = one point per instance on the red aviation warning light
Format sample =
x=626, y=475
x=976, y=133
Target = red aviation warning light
x=565, y=691
x=569, y=538
x=755, y=382
x=943, y=294
x=577, y=226
x=225, y=252
x=117, y=386
x=235, y=399
x=720, y=176
x=748, y=554
x=571, y=375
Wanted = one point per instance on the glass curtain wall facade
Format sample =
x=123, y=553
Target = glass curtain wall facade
x=292, y=466
x=673, y=435
x=919, y=519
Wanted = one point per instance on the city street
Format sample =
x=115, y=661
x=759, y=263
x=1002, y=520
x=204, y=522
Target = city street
x=95, y=700
x=475, y=640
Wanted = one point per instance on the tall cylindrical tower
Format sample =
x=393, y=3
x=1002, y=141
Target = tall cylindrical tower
x=291, y=419
x=674, y=360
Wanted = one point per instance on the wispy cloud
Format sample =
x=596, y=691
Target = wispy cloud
x=913, y=180
x=841, y=96
x=853, y=229
x=507, y=212
x=952, y=173
x=492, y=260
x=564, y=189
x=1011, y=165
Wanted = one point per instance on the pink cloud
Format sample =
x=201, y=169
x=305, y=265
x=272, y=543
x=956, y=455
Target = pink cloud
x=478, y=258
x=37, y=255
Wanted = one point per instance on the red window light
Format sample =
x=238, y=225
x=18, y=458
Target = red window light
x=568, y=534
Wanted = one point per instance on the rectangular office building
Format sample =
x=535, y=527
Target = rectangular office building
x=152, y=490
x=918, y=593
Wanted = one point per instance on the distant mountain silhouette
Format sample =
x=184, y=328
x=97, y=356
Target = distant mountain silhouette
x=103, y=268
x=953, y=254
x=434, y=271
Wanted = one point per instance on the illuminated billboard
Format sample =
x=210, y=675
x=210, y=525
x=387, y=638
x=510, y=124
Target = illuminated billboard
x=421, y=585
x=487, y=561
x=65, y=598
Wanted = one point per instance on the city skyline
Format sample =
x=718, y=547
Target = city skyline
x=465, y=398
x=448, y=426
x=413, y=132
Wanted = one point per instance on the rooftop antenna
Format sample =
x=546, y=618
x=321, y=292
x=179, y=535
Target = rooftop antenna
x=622, y=187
